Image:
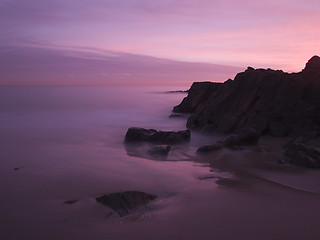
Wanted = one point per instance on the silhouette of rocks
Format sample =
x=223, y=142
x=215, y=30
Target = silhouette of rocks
x=160, y=151
x=151, y=135
x=271, y=101
x=125, y=203
x=197, y=94
x=313, y=64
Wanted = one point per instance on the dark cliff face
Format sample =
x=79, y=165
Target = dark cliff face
x=313, y=64
x=198, y=93
x=273, y=102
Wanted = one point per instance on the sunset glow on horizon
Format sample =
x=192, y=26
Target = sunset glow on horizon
x=262, y=34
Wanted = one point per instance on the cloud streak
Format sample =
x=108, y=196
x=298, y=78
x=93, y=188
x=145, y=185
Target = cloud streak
x=277, y=34
x=40, y=65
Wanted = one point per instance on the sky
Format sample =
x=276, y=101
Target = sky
x=280, y=34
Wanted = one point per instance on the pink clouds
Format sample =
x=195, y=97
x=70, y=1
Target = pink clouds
x=277, y=34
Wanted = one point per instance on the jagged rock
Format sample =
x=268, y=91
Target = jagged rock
x=151, y=135
x=125, y=203
x=272, y=102
x=243, y=137
x=159, y=151
x=298, y=152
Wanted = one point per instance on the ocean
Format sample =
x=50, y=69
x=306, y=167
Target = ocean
x=67, y=143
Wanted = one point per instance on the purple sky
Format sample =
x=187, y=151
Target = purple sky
x=30, y=65
x=281, y=34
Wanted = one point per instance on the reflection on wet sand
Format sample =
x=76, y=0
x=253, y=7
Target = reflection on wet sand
x=236, y=168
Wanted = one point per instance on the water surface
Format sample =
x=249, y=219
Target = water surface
x=62, y=143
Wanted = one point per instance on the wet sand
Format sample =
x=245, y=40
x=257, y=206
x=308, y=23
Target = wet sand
x=263, y=201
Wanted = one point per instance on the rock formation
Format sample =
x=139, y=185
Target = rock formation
x=125, y=203
x=271, y=101
x=197, y=94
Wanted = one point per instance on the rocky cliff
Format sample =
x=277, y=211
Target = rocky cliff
x=272, y=102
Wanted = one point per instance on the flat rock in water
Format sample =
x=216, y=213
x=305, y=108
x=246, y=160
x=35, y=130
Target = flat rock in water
x=125, y=203
x=151, y=135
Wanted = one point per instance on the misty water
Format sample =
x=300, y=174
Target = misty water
x=65, y=143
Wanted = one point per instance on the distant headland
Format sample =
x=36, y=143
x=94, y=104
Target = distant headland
x=270, y=101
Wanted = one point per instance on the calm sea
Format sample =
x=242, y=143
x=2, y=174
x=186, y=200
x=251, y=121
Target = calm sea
x=66, y=143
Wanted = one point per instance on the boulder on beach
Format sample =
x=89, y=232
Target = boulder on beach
x=125, y=203
x=151, y=135
x=271, y=101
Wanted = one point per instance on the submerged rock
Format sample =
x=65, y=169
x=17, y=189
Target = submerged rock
x=125, y=203
x=160, y=151
x=271, y=101
x=71, y=201
x=151, y=135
